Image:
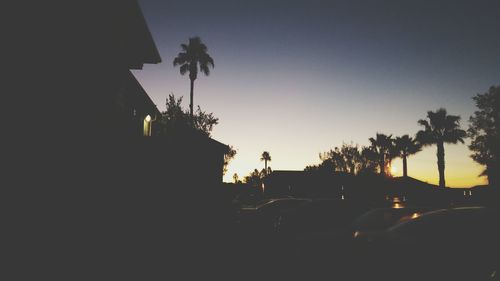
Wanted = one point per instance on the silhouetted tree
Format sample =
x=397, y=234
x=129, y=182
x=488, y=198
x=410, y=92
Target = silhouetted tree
x=235, y=177
x=345, y=159
x=254, y=179
x=440, y=128
x=333, y=159
x=383, y=146
x=351, y=157
x=406, y=146
x=265, y=157
x=368, y=160
x=484, y=131
x=194, y=58
x=325, y=166
x=174, y=116
x=228, y=157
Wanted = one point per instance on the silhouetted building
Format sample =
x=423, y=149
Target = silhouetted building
x=133, y=109
x=190, y=159
x=307, y=184
x=97, y=197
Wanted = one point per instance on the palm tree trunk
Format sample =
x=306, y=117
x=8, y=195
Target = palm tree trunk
x=382, y=165
x=440, y=162
x=265, y=165
x=191, y=100
x=405, y=167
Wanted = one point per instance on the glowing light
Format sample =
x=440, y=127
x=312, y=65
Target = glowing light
x=393, y=169
x=356, y=234
x=343, y=197
x=397, y=206
x=147, y=126
x=415, y=215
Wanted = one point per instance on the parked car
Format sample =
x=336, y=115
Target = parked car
x=381, y=219
x=266, y=215
x=447, y=244
x=319, y=216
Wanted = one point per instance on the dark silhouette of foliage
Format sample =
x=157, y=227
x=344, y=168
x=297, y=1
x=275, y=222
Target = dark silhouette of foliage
x=265, y=157
x=368, y=160
x=484, y=131
x=345, y=159
x=193, y=58
x=228, y=157
x=264, y=172
x=254, y=179
x=174, y=116
x=348, y=159
x=325, y=166
x=406, y=146
x=383, y=146
x=440, y=128
x=236, y=178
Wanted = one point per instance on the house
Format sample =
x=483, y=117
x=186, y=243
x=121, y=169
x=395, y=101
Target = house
x=97, y=195
x=135, y=112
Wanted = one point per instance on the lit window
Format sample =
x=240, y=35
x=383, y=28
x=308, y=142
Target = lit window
x=147, y=126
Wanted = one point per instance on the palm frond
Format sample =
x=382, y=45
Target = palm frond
x=184, y=68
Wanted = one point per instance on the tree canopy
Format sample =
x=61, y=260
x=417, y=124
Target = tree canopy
x=484, y=131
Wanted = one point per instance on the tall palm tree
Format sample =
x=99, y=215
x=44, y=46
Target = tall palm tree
x=194, y=58
x=440, y=128
x=406, y=146
x=265, y=157
x=383, y=146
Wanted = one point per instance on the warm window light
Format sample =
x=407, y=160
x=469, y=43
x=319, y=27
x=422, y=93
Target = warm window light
x=147, y=126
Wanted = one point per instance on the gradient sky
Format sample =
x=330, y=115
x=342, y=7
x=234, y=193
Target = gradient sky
x=296, y=78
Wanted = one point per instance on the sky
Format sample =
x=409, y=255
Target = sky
x=297, y=78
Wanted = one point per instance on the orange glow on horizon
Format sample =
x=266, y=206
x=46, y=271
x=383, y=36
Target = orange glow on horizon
x=394, y=170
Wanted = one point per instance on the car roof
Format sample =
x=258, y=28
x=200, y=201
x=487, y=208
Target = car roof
x=442, y=212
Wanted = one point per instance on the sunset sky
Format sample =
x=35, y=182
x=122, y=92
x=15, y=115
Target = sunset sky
x=297, y=78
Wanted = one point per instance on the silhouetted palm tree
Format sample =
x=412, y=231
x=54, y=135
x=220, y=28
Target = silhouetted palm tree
x=439, y=129
x=406, y=146
x=383, y=146
x=265, y=157
x=194, y=58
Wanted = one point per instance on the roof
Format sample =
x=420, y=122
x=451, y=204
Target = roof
x=138, y=96
x=127, y=31
x=186, y=135
x=145, y=45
